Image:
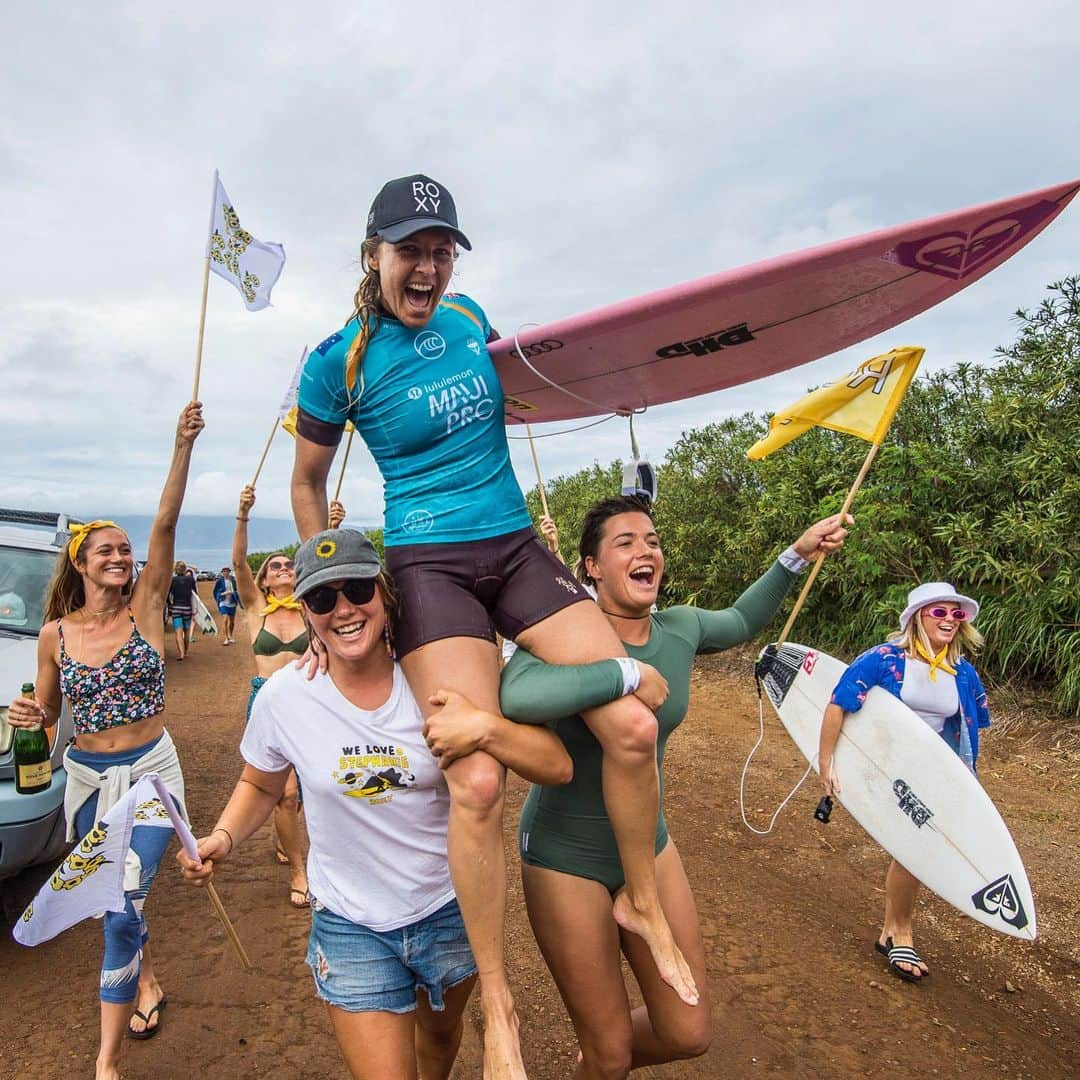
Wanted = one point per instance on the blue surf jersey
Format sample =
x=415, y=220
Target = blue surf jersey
x=431, y=413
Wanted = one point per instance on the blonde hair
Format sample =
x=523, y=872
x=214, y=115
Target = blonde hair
x=967, y=638
x=366, y=312
x=67, y=591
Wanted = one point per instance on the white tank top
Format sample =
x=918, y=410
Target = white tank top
x=934, y=701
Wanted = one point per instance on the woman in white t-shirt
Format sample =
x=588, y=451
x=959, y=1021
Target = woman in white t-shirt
x=388, y=948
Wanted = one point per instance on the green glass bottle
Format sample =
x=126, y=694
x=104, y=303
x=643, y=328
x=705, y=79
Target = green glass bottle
x=30, y=752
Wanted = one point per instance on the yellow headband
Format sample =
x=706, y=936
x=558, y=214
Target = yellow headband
x=80, y=532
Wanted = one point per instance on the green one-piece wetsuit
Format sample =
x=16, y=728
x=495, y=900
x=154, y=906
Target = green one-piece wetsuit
x=566, y=828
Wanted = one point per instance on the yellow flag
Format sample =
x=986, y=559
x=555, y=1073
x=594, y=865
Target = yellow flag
x=288, y=422
x=860, y=403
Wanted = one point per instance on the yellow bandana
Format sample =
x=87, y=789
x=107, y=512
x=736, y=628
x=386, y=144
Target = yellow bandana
x=80, y=532
x=935, y=662
x=274, y=602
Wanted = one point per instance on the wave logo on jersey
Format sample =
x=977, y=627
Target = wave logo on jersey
x=429, y=345
x=418, y=521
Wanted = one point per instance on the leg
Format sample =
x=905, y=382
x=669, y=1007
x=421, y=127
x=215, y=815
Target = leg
x=438, y=1033
x=375, y=1043
x=626, y=730
x=290, y=841
x=474, y=840
x=666, y=1028
x=573, y=923
x=181, y=642
x=901, y=889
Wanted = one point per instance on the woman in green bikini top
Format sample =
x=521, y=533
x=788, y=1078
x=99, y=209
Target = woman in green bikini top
x=278, y=636
x=570, y=864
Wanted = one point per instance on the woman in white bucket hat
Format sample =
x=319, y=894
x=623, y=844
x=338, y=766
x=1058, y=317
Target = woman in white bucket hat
x=923, y=665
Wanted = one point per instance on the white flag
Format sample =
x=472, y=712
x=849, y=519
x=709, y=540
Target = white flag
x=90, y=880
x=288, y=402
x=252, y=266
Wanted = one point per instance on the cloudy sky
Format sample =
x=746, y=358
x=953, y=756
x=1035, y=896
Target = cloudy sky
x=595, y=152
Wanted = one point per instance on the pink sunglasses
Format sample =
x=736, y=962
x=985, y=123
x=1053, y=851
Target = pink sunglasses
x=958, y=614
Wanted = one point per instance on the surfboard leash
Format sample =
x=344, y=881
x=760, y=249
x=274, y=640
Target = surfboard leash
x=765, y=662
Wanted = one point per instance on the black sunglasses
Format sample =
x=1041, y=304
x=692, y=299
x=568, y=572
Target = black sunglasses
x=323, y=599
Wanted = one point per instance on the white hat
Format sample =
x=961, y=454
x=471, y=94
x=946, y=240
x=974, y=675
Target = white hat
x=932, y=592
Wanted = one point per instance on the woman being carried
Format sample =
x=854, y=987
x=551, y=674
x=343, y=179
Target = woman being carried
x=278, y=635
x=388, y=948
x=571, y=867
x=103, y=649
x=412, y=371
x=924, y=666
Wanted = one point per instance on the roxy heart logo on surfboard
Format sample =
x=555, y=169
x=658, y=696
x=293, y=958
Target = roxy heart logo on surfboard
x=1000, y=898
x=957, y=254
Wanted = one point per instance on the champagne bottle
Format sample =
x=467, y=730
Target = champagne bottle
x=30, y=752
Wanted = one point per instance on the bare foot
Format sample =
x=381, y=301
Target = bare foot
x=502, y=1050
x=106, y=1071
x=654, y=930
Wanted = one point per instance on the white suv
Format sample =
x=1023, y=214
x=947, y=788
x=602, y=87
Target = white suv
x=31, y=826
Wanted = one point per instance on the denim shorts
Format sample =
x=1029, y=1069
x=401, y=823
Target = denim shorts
x=362, y=970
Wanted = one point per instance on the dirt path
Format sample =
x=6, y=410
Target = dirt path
x=789, y=921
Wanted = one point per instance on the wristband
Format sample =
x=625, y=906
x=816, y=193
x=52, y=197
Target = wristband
x=791, y=560
x=228, y=834
x=631, y=674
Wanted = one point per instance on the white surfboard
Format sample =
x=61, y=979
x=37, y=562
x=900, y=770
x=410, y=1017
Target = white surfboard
x=204, y=621
x=901, y=782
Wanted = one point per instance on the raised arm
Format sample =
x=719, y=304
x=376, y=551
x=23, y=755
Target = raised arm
x=755, y=608
x=156, y=577
x=250, y=596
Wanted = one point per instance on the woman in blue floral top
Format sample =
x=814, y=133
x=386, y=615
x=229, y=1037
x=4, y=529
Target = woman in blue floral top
x=923, y=666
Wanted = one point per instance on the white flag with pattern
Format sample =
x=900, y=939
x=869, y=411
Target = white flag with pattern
x=251, y=265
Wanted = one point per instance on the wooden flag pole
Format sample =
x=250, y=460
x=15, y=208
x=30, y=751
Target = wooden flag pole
x=536, y=465
x=341, y=475
x=205, y=289
x=229, y=928
x=266, y=450
x=820, y=557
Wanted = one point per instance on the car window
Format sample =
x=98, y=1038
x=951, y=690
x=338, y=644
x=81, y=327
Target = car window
x=24, y=577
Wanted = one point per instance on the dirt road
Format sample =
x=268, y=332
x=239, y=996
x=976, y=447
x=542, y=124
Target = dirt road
x=789, y=923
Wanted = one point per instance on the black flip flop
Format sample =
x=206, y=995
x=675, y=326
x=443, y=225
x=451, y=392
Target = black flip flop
x=904, y=954
x=148, y=1032
x=884, y=949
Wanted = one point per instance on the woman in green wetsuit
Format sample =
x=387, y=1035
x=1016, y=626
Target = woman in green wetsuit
x=570, y=864
x=278, y=636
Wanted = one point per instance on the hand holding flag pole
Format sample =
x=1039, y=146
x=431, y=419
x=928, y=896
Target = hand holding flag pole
x=187, y=842
x=862, y=403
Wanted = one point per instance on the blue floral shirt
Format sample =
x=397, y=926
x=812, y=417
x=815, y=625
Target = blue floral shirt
x=883, y=666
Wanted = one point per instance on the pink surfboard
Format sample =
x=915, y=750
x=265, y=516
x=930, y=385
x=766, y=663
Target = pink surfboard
x=751, y=322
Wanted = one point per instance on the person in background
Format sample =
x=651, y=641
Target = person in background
x=279, y=635
x=103, y=648
x=181, y=607
x=924, y=666
x=226, y=598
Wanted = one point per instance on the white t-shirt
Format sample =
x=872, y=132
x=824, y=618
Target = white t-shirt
x=376, y=803
x=934, y=700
